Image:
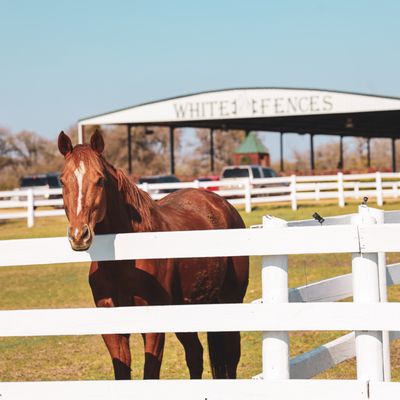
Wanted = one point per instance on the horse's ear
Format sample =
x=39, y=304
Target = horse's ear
x=64, y=144
x=97, y=142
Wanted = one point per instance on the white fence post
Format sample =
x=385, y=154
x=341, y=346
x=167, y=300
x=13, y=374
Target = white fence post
x=247, y=195
x=274, y=274
x=340, y=189
x=379, y=191
x=395, y=190
x=145, y=187
x=317, y=192
x=293, y=197
x=30, y=208
x=357, y=190
x=379, y=216
x=196, y=184
x=366, y=290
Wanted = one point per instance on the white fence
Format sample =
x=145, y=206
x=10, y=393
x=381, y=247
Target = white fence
x=368, y=315
x=241, y=192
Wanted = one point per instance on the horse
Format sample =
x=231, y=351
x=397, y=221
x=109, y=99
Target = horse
x=100, y=199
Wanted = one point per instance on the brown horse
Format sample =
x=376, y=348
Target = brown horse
x=100, y=199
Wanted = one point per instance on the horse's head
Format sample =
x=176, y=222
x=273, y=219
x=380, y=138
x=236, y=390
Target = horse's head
x=83, y=178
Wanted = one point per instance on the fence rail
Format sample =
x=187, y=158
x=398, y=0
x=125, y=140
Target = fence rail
x=239, y=192
x=368, y=315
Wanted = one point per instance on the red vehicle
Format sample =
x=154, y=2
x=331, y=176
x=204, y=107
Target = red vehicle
x=209, y=178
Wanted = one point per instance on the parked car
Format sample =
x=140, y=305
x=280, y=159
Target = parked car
x=160, y=179
x=208, y=178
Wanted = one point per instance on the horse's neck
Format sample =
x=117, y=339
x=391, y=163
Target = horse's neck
x=129, y=209
x=116, y=219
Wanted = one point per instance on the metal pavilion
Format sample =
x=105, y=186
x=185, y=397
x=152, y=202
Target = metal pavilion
x=284, y=110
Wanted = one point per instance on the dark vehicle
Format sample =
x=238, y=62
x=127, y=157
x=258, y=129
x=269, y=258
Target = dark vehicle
x=42, y=181
x=160, y=179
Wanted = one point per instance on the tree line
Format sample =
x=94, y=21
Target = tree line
x=27, y=152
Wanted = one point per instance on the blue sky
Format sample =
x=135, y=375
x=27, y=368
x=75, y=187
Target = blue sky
x=65, y=60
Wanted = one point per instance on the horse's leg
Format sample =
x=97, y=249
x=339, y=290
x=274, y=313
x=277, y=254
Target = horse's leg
x=193, y=353
x=117, y=344
x=224, y=347
x=224, y=350
x=118, y=347
x=153, y=353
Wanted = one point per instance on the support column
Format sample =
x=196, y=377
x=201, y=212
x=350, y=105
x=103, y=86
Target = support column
x=393, y=154
x=369, y=152
x=128, y=127
x=81, y=133
x=171, y=150
x=281, y=150
x=212, y=150
x=340, y=166
x=312, y=152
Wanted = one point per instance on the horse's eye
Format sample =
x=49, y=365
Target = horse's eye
x=100, y=181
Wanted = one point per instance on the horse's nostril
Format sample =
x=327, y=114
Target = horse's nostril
x=86, y=233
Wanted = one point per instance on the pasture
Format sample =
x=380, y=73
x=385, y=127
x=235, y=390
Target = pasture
x=85, y=357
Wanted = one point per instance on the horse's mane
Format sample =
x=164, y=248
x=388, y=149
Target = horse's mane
x=139, y=202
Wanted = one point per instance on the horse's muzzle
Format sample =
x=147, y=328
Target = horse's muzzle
x=80, y=239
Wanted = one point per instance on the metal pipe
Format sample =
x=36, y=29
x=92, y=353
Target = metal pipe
x=312, y=152
x=171, y=150
x=341, y=153
x=212, y=150
x=129, y=148
x=393, y=154
x=369, y=152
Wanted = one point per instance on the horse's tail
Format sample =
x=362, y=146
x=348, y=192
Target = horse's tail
x=224, y=351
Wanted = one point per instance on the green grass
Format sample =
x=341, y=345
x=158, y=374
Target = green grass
x=85, y=357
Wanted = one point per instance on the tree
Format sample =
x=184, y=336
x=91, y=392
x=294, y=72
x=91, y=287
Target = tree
x=6, y=148
x=225, y=143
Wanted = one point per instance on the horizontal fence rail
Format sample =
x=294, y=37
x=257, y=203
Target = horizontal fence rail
x=242, y=191
x=198, y=390
x=189, y=244
x=209, y=318
x=233, y=242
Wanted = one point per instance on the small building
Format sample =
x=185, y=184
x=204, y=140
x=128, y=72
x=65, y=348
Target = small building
x=252, y=151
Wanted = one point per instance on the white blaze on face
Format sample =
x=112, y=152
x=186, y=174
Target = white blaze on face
x=79, y=172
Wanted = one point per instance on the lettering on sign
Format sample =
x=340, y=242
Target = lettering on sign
x=253, y=107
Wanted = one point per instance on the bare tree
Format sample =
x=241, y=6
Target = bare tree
x=225, y=143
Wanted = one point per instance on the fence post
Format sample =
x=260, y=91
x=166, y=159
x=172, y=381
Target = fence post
x=379, y=191
x=317, y=192
x=30, y=208
x=293, y=197
x=340, y=189
x=196, y=184
x=247, y=195
x=145, y=187
x=395, y=190
x=379, y=216
x=274, y=275
x=366, y=290
x=357, y=190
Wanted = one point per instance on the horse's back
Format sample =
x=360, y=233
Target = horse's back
x=201, y=209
